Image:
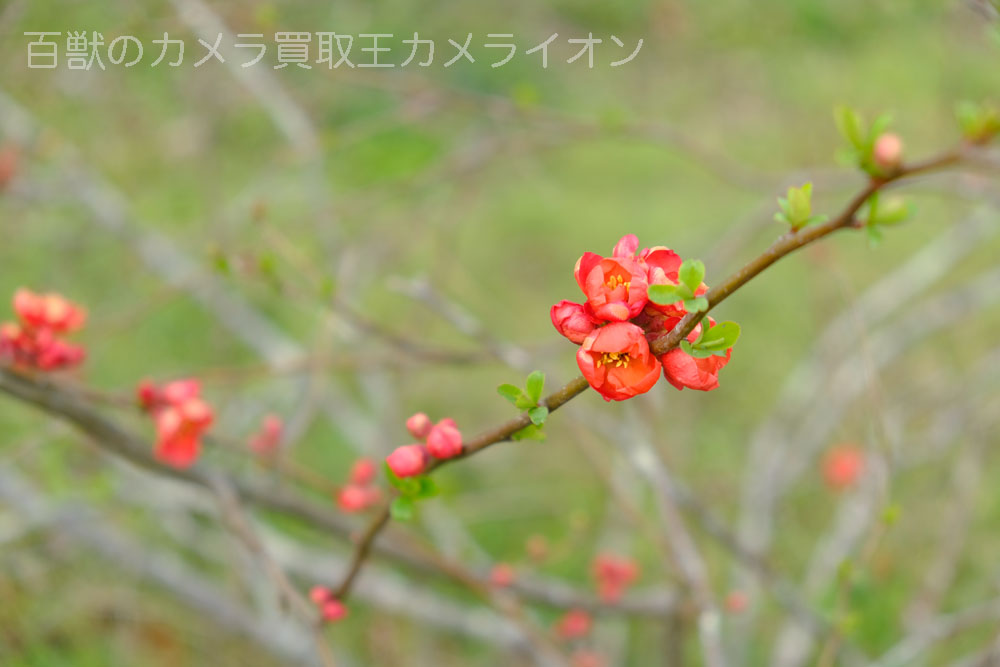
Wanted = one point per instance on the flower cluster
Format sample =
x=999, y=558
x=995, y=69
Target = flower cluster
x=617, y=323
x=360, y=493
x=330, y=608
x=265, y=441
x=181, y=418
x=613, y=575
x=36, y=340
x=441, y=441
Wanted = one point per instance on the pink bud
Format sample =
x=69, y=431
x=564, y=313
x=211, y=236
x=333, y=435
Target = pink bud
x=333, y=610
x=147, y=394
x=575, y=624
x=502, y=575
x=178, y=391
x=843, y=466
x=353, y=498
x=572, y=320
x=444, y=440
x=319, y=594
x=419, y=425
x=736, y=602
x=407, y=461
x=888, y=151
x=362, y=472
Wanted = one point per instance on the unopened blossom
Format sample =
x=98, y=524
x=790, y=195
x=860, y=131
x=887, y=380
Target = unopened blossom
x=617, y=362
x=357, y=498
x=842, y=466
x=444, y=440
x=615, y=286
x=573, y=320
x=887, y=153
x=408, y=460
x=700, y=373
x=331, y=609
x=363, y=472
x=419, y=425
x=10, y=156
x=502, y=575
x=574, y=624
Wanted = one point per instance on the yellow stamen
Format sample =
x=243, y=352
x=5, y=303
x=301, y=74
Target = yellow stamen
x=617, y=359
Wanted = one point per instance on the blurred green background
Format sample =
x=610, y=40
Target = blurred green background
x=296, y=189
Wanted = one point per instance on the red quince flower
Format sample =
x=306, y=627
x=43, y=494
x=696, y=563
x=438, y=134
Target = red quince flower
x=573, y=320
x=331, y=609
x=36, y=341
x=617, y=362
x=48, y=311
x=613, y=574
x=181, y=419
x=682, y=370
x=357, y=498
x=419, y=425
x=502, y=575
x=575, y=624
x=363, y=472
x=408, y=460
x=265, y=441
x=444, y=440
x=842, y=466
x=615, y=286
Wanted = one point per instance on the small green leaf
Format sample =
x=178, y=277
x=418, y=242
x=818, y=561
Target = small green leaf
x=850, y=125
x=723, y=334
x=696, y=305
x=891, y=212
x=427, y=487
x=401, y=508
x=392, y=478
x=535, y=386
x=692, y=273
x=664, y=295
x=530, y=432
x=538, y=415
x=510, y=392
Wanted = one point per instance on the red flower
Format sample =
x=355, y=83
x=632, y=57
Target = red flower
x=682, y=370
x=36, y=342
x=444, y=440
x=502, y=575
x=613, y=574
x=48, y=311
x=574, y=624
x=363, y=472
x=617, y=362
x=615, y=286
x=267, y=439
x=843, y=466
x=181, y=418
x=357, y=498
x=408, y=460
x=331, y=609
x=573, y=320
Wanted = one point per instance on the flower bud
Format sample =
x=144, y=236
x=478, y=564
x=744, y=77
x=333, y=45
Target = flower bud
x=888, y=151
x=574, y=624
x=419, y=425
x=843, y=466
x=353, y=498
x=502, y=575
x=444, y=440
x=407, y=461
x=362, y=472
x=572, y=320
x=333, y=610
x=319, y=594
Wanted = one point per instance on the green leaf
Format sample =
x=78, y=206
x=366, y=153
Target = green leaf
x=891, y=212
x=401, y=508
x=392, y=478
x=696, y=305
x=880, y=125
x=692, y=273
x=510, y=392
x=850, y=125
x=538, y=415
x=664, y=295
x=723, y=334
x=427, y=487
x=535, y=386
x=530, y=432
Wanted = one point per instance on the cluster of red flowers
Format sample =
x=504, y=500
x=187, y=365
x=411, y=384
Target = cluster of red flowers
x=331, y=609
x=617, y=323
x=613, y=575
x=36, y=340
x=360, y=493
x=441, y=441
x=265, y=442
x=181, y=417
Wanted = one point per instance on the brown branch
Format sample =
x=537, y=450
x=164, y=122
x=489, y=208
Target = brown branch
x=784, y=246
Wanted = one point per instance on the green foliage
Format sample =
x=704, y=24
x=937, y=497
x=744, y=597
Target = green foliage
x=411, y=489
x=691, y=275
x=528, y=400
x=713, y=340
x=979, y=122
x=860, y=137
x=796, y=208
x=878, y=214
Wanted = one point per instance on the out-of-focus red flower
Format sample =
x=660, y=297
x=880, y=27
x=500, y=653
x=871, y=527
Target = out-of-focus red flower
x=574, y=624
x=736, y=602
x=10, y=157
x=587, y=658
x=265, y=441
x=331, y=609
x=181, y=417
x=408, y=460
x=444, y=440
x=502, y=575
x=613, y=575
x=842, y=466
x=682, y=370
x=617, y=362
x=363, y=472
x=419, y=425
x=615, y=286
x=357, y=498
x=36, y=341
x=573, y=320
